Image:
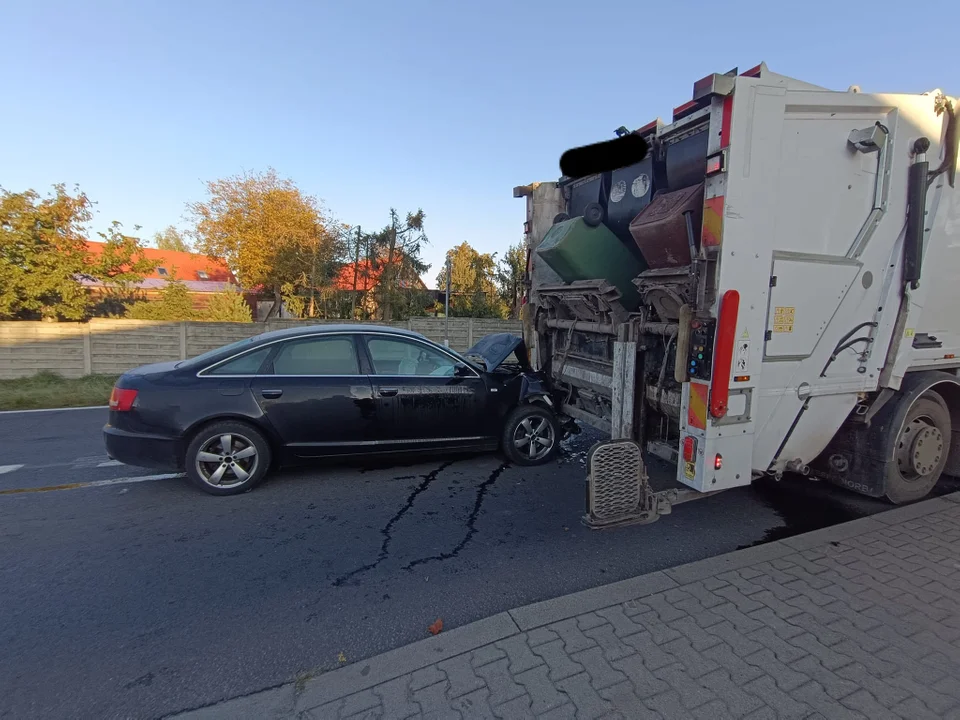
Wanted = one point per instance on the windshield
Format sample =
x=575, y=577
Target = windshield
x=216, y=352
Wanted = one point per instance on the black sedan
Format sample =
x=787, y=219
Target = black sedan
x=281, y=398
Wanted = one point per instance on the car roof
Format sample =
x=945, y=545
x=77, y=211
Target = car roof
x=325, y=328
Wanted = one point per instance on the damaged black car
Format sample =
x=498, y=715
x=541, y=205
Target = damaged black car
x=228, y=417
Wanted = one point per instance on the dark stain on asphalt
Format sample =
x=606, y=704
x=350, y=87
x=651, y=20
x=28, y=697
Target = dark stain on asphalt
x=387, y=530
x=482, y=491
x=802, y=508
x=143, y=680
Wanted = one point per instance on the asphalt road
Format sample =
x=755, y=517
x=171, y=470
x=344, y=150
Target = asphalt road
x=141, y=599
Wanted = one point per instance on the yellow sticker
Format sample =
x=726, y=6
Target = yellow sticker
x=908, y=333
x=783, y=327
x=689, y=469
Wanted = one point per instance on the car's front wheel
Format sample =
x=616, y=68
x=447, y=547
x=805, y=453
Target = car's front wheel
x=227, y=458
x=531, y=435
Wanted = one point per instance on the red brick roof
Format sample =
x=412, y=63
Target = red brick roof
x=187, y=266
x=367, y=276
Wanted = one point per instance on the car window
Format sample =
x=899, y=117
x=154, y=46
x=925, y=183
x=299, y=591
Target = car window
x=402, y=357
x=317, y=356
x=248, y=364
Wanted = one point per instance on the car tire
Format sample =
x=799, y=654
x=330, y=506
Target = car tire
x=529, y=425
x=560, y=217
x=232, y=470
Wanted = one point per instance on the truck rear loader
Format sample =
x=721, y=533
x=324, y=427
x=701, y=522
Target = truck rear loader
x=775, y=288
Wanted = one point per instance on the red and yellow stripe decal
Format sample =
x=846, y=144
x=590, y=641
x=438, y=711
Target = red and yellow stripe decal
x=697, y=407
x=712, y=221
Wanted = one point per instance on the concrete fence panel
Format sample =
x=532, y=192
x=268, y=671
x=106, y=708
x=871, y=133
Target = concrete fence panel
x=111, y=347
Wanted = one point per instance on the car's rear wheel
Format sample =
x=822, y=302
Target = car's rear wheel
x=531, y=435
x=227, y=458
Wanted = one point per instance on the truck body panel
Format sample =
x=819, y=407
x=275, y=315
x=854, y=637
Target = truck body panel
x=803, y=237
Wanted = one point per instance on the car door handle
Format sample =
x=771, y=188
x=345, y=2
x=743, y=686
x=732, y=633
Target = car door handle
x=389, y=392
x=271, y=393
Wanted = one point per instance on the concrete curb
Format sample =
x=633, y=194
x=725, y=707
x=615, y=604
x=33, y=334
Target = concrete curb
x=333, y=685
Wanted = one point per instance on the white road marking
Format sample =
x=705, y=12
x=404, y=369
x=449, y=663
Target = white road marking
x=9, y=468
x=95, y=483
x=110, y=463
x=87, y=407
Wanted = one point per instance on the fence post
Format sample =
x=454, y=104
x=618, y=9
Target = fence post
x=410, y=324
x=87, y=352
x=183, y=340
x=469, y=333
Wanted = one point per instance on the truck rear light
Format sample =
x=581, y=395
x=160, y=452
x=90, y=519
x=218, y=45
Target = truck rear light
x=718, y=462
x=715, y=164
x=689, y=448
x=121, y=400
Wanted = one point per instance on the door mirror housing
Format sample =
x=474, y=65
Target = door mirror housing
x=462, y=370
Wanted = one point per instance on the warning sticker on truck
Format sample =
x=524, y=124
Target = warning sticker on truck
x=783, y=319
x=743, y=355
x=689, y=469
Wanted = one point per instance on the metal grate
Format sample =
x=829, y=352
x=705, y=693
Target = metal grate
x=617, y=482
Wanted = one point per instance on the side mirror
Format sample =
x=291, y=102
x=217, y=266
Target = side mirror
x=461, y=371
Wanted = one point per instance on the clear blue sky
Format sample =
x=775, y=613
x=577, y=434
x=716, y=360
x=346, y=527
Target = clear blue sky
x=438, y=104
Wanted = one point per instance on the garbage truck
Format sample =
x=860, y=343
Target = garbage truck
x=774, y=288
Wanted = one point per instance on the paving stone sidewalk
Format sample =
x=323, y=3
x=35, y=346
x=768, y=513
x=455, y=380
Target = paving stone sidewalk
x=860, y=620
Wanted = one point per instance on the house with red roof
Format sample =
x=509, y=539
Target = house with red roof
x=202, y=275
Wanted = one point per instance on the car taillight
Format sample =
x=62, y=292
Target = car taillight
x=121, y=400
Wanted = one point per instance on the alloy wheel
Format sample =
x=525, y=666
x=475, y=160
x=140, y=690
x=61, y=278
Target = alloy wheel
x=534, y=437
x=227, y=460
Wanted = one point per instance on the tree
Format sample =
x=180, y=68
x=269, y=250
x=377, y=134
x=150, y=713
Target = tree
x=44, y=256
x=396, y=255
x=228, y=306
x=171, y=239
x=473, y=290
x=173, y=305
x=510, y=274
x=269, y=232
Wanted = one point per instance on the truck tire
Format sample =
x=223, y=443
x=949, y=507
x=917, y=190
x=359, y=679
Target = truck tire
x=560, y=217
x=917, y=450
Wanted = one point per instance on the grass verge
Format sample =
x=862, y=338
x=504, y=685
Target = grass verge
x=49, y=390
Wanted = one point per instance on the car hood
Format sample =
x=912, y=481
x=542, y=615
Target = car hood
x=494, y=349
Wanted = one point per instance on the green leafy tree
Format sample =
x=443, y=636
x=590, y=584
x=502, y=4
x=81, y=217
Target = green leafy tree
x=44, y=256
x=473, y=290
x=173, y=305
x=270, y=233
x=396, y=254
x=228, y=306
x=171, y=239
x=510, y=277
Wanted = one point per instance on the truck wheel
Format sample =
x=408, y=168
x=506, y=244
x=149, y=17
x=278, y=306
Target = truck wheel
x=560, y=217
x=531, y=435
x=918, y=450
x=593, y=214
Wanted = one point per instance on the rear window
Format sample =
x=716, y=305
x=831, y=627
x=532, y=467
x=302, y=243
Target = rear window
x=248, y=364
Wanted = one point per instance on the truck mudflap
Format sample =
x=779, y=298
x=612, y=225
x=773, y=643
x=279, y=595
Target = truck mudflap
x=618, y=491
